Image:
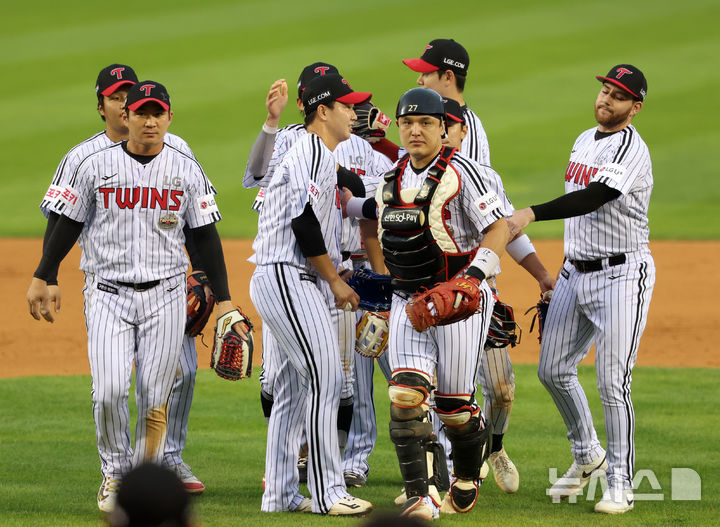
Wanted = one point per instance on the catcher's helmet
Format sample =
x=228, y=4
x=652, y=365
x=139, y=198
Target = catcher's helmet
x=421, y=101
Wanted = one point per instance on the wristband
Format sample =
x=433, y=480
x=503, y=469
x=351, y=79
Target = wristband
x=520, y=247
x=485, y=261
x=272, y=130
x=354, y=207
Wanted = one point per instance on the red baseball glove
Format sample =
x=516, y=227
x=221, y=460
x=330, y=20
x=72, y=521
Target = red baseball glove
x=446, y=303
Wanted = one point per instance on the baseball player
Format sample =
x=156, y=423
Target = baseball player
x=131, y=201
x=604, y=288
x=463, y=201
x=353, y=154
x=112, y=85
x=443, y=67
x=294, y=288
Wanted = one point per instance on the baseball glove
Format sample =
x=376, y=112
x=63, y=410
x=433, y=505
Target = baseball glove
x=374, y=289
x=504, y=331
x=541, y=309
x=371, y=334
x=200, y=303
x=446, y=303
x=232, y=355
x=371, y=123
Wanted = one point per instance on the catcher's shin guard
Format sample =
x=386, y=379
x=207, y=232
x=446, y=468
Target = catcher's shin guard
x=470, y=449
x=438, y=467
x=410, y=438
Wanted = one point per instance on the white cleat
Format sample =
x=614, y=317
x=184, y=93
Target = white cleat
x=107, y=495
x=424, y=508
x=304, y=506
x=401, y=499
x=616, y=501
x=504, y=470
x=191, y=483
x=350, y=506
x=576, y=478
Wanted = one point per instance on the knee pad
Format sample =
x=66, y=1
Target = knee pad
x=457, y=411
x=409, y=391
x=470, y=448
x=410, y=439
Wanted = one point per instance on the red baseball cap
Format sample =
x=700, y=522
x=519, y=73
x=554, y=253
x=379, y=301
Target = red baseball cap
x=441, y=54
x=629, y=78
x=328, y=88
x=147, y=91
x=112, y=77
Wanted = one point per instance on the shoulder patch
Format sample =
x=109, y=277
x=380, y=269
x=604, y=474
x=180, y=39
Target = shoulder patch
x=614, y=171
x=207, y=205
x=488, y=202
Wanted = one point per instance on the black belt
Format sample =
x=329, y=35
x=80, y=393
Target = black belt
x=588, y=266
x=142, y=286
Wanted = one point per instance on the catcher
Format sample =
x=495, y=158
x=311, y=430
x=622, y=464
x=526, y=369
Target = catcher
x=434, y=207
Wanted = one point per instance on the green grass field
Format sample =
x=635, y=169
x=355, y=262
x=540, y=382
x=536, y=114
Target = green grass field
x=50, y=470
x=530, y=80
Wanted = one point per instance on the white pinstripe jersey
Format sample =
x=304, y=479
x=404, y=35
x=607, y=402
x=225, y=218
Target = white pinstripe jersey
x=135, y=213
x=307, y=173
x=475, y=145
x=621, y=161
x=478, y=204
x=72, y=159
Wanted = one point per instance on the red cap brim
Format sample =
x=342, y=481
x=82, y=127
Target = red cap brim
x=134, y=106
x=454, y=118
x=420, y=65
x=356, y=97
x=113, y=88
x=617, y=83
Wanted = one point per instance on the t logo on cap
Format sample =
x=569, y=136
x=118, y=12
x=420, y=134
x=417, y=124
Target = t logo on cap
x=147, y=88
x=117, y=72
x=322, y=70
x=621, y=72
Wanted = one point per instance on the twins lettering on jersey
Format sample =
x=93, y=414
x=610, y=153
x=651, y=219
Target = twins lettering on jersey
x=147, y=197
x=581, y=173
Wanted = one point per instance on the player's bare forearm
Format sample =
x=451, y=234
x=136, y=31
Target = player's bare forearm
x=532, y=264
x=343, y=293
x=520, y=219
x=276, y=101
x=368, y=235
x=497, y=236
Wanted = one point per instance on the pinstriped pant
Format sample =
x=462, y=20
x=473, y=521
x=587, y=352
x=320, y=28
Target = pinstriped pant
x=297, y=313
x=608, y=308
x=180, y=402
x=126, y=327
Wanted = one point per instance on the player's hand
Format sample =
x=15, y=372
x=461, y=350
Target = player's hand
x=38, y=297
x=276, y=101
x=547, y=283
x=240, y=328
x=344, y=198
x=55, y=296
x=520, y=219
x=345, y=297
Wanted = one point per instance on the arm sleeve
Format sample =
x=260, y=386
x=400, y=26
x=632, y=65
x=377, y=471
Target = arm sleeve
x=259, y=159
x=351, y=181
x=306, y=228
x=53, y=218
x=577, y=203
x=210, y=252
x=191, y=248
x=63, y=237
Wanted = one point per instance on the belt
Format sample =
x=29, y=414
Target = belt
x=142, y=286
x=588, y=266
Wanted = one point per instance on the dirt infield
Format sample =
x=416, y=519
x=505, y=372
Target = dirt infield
x=683, y=328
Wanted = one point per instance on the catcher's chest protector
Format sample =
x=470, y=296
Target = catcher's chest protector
x=418, y=246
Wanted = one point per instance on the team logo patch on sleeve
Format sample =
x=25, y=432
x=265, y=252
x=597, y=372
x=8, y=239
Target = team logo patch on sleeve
x=53, y=193
x=206, y=205
x=614, y=171
x=487, y=203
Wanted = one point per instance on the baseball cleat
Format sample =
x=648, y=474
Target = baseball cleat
x=107, y=495
x=616, y=501
x=304, y=506
x=354, y=480
x=191, y=483
x=463, y=494
x=576, y=478
x=504, y=470
x=401, y=499
x=350, y=506
x=423, y=507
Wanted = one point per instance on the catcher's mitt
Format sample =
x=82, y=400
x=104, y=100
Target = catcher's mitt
x=371, y=123
x=446, y=303
x=541, y=309
x=200, y=303
x=232, y=355
x=374, y=289
x=504, y=331
x=371, y=334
